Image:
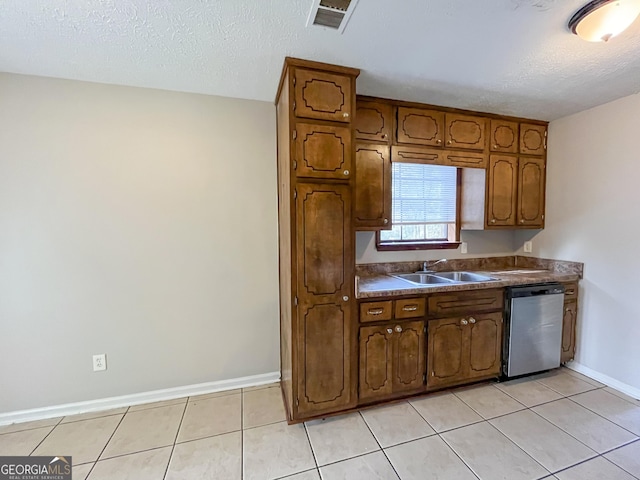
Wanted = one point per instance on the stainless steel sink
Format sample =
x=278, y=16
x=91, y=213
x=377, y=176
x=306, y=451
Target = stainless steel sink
x=464, y=276
x=440, y=278
x=423, y=278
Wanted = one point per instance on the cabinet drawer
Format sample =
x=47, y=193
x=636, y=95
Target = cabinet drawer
x=410, y=308
x=570, y=291
x=376, y=311
x=449, y=304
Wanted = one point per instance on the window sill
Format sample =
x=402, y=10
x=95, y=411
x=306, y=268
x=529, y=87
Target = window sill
x=396, y=246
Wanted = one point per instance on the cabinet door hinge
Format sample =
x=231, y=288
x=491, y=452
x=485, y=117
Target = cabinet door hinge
x=295, y=165
x=295, y=134
x=295, y=300
x=294, y=81
x=433, y=374
x=424, y=378
x=294, y=105
x=297, y=402
x=295, y=194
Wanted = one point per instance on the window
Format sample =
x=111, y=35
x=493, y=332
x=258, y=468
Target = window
x=424, y=208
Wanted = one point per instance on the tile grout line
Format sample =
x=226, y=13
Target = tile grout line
x=364, y=420
x=601, y=416
x=106, y=443
x=313, y=452
x=173, y=446
x=620, y=467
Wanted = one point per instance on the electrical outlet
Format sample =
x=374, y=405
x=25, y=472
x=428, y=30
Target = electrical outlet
x=99, y=362
x=463, y=247
x=528, y=247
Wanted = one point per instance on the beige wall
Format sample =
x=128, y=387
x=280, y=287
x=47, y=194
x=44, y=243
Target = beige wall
x=137, y=223
x=593, y=198
x=479, y=244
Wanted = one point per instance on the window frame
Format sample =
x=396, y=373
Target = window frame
x=453, y=234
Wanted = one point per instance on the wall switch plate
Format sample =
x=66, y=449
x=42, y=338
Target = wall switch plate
x=528, y=247
x=99, y=362
x=463, y=247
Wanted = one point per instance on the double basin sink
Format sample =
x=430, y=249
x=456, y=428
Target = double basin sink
x=440, y=278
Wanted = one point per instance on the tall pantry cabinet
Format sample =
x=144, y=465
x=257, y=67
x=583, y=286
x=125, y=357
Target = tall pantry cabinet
x=318, y=339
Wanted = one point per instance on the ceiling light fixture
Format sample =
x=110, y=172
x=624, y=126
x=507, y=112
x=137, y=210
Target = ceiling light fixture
x=600, y=20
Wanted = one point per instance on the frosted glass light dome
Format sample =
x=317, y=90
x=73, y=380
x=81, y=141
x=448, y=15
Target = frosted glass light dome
x=600, y=20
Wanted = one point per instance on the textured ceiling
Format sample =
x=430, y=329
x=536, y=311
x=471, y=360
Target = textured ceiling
x=505, y=56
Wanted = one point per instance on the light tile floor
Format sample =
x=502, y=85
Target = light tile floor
x=557, y=425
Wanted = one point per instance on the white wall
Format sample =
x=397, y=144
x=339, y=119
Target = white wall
x=137, y=223
x=593, y=197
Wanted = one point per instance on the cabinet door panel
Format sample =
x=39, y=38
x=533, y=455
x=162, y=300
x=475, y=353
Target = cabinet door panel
x=569, y=331
x=504, y=136
x=485, y=344
x=408, y=356
x=531, y=183
x=533, y=139
x=446, y=352
x=373, y=186
x=465, y=131
x=502, y=190
x=324, y=253
x=323, y=151
x=324, y=375
x=376, y=353
x=373, y=121
x=326, y=96
x=420, y=126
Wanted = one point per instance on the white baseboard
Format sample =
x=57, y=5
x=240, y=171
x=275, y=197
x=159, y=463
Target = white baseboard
x=607, y=380
x=136, y=398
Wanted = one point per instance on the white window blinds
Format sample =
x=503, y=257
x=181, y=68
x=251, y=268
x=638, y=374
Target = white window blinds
x=423, y=194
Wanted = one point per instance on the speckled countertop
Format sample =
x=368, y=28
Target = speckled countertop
x=375, y=281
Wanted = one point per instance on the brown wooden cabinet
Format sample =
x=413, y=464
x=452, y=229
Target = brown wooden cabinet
x=323, y=95
x=322, y=151
x=373, y=121
x=533, y=139
x=318, y=335
x=392, y=359
x=373, y=187
x=465, y=131
x=504, y=136
x=515, y=191
x=464, y=348
x=420, y=126
x=569, y=321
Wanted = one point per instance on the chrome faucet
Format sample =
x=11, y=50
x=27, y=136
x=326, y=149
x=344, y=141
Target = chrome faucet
x=425, y=264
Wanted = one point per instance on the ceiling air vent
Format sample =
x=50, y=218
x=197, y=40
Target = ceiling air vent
x=332, y=14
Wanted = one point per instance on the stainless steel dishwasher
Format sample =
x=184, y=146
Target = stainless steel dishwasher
x=533, y=334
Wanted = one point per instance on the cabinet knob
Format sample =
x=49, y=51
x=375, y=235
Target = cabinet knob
x=472, y=320
x=463, y=322
x=384, y=136
x=495, y=147
x=493, y=220
x=566, y=309
x=346, y=172
x=398, y=328
x=385, y=221
x=389, y=330
x=345, y=298
x=345, y=115
x=521, y=221
x=449, y=142
x=439, y=141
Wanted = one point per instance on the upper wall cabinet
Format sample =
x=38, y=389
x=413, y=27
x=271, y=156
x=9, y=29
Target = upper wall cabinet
x=420, y=126
x=504, y=136
x=465, y=131
x=322, y=95
x=373, y=121
x=533, y=139
x=322, y=151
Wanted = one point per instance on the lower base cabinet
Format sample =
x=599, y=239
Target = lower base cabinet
x=391, y=359
x=569, y=331
x=463, y=349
